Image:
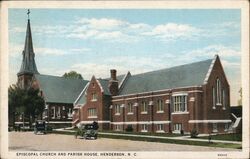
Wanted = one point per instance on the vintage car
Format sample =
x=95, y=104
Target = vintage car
x=91, y=131
x=40, y=126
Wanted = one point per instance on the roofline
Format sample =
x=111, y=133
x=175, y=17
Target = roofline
x=98, y=82
x=210, y=69
x=167, y=68
x=124, y=79
x=62, y=77
x=118, y=96
x=81, y=93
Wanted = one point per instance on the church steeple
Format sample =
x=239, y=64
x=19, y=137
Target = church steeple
x=28, y=67
x=28, y=62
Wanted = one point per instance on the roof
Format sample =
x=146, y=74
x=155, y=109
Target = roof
x=59, y=89
x=105, y=86
x=180, y=76
x=105, y=83
x=81, y=99
x=28, y=63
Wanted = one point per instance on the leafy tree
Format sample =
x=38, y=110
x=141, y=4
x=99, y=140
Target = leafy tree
x=73, y=74
x=25, y=101
x=240, y=100
x=15, y=102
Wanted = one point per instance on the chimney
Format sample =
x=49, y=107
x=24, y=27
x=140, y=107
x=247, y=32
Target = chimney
x=113, y=83
x=113, y=74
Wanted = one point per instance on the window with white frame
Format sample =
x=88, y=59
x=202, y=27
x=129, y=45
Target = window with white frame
x=59, y=112
x=144, y=127
x=160, y=127
x=180, y=103
x=226, y=127
x=94, y=97
x=92, y=112
x=213, y=96
x=118, y=127
x=70, y=113
x=117, y=109
x=130, y=108
x=215, y=128
x=160, y=106
x=218, y=91
x=177, y=127
x=53, y=112
x=224, y=99
x=144, y=107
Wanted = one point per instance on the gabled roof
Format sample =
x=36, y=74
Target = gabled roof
x=105, y=83
x=180, y=76
x=105, y=86
x=59, y=89
x=81, y=99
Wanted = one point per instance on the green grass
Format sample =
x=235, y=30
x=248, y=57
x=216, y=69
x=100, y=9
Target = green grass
x=141, y=133
x=169, y=141
x=227, y=137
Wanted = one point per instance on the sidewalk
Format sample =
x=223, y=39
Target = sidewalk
x=159, y=137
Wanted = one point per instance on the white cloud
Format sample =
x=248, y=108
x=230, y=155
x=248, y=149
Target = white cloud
x=102, y=23
x=80, y=50
x=209, y=51
x=173, y=31
x=50, y=51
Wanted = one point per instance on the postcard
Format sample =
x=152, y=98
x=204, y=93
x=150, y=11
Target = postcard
x=125, y=79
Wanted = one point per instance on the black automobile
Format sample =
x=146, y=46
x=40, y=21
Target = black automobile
x=91, y=131
x=40, y=126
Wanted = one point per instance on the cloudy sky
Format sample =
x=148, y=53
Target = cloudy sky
x=92, y=41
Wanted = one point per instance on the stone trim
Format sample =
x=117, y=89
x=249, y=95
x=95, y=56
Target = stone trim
x=209, y=121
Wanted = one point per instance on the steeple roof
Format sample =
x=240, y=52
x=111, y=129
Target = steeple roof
x=28, y=62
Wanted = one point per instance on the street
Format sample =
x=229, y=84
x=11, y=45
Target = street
x=28, y=141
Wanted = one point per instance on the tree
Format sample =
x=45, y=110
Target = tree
x=26, y=102
x=73, y=74
x=240, y=100
x=15, y=102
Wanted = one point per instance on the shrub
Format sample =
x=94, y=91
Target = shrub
x=129, y=128
x=194, y=133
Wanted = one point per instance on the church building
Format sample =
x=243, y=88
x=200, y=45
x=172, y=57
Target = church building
x=59, y=93
x=193, y=96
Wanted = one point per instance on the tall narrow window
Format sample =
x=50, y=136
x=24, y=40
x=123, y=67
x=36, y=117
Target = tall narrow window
x=144, y=107
x=213, y=95
x=117, y=109
x=130, y=108
x=218, y=91
x=144, y=128
x=53, y=112
x=159, y=106
x=94, y=97
x=215, y=129
x=59, y=112
x=224, y=99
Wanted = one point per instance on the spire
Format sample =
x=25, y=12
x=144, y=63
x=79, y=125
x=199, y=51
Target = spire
x=28, y=62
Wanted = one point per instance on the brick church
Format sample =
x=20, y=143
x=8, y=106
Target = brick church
x=191, y=96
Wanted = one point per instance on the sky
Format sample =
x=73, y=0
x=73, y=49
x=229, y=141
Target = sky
x=93, y=41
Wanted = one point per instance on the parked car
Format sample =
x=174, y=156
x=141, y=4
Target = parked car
x=40, y=126
x=91, y=130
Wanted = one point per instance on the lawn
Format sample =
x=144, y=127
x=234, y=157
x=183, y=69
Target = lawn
x=173, y=141
x=227, y=137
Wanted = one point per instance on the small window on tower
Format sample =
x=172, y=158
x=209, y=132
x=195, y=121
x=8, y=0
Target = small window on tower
x=93, y=85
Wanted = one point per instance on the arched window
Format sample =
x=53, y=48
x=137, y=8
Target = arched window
x=218, y=91
x=213, y=95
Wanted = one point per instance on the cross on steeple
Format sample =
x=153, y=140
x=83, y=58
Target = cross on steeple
x=28, y=13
